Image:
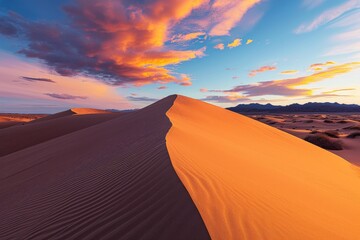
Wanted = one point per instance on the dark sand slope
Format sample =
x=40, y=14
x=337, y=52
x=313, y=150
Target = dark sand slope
x=252, y=181
x=16, y=138
x=113, y=180
x=70, y=112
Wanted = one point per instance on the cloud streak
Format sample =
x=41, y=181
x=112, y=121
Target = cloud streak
x=65, y=96
x=142, y=99
x=328, y=16
x=290, y=72
x=262, y=69
x=187, y=37
x=230, y=98
x=32, y=79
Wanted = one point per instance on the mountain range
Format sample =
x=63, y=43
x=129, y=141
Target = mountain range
x=307, y=107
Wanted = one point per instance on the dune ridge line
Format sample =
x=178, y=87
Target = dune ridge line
x=252, y=181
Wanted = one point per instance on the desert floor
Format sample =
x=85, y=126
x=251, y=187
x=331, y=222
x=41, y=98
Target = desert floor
x=338, y=128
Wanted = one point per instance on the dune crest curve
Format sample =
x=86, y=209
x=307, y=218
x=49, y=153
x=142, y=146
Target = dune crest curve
x=252, y=181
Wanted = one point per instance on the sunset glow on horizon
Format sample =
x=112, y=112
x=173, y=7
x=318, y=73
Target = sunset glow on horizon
x=122, y=54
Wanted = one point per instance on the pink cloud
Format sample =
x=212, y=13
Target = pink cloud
x=261, y=69
x=219, y=46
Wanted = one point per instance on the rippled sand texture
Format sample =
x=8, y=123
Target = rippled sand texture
x=252, y=181
x=113, y=180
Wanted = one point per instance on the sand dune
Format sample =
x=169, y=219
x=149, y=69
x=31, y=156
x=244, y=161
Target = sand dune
x=178, y=169
x=252, y=181
x=72, y=111
x=10, y=119
x=19, y=137
x=113, y=180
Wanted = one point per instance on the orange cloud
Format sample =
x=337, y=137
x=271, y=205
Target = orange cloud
x=249, y=41
x=326, y=74
x=320, y=66
x=290, y=72
x=187, y=37
x=126, y=42
x=261, y=69
x=290, y=87
x=219, y=46
x=185, y=80
x=229, y=98
x=203, y=90
x=235, y=43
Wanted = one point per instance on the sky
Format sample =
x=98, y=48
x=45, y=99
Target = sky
x=125, y=54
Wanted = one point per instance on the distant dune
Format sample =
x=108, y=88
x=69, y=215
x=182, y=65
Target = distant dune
x=43, y=129
x=177, y=169
x=11, y=119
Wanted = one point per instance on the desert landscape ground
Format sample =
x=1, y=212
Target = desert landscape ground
x=177, y=169
x=336, y=132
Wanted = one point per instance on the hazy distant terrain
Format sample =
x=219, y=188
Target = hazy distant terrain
x=307, y=107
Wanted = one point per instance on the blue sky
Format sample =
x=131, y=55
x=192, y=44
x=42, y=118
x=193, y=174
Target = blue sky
x=117, y=54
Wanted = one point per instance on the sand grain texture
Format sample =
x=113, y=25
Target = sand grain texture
x=252, y=181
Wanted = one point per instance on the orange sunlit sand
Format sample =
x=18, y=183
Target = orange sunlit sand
x=252, y=181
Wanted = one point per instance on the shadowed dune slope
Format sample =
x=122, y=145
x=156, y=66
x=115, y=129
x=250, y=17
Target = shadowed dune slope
x=19, y=137
x=251, y=181
x=113, y=180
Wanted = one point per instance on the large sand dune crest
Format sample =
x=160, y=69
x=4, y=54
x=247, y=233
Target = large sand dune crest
x=177, y=169
x=252, y=181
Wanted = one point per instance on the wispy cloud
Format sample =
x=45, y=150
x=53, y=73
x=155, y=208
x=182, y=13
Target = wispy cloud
x=261, y=70
x=339, y=90
x=235, y=43
x=310, y=4
x=353, y=47
x=328, y=16
x=203, y=90
x=65, y=96
x=321, y=66
x=227, y=13
x=290, y=86
x=187, y=37
x=290, y=72
x=230, y=98
x=142, y=99
x=162, y=87
x=32, y=79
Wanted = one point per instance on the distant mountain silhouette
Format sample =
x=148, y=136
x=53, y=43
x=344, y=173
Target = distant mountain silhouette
x=307, y=107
